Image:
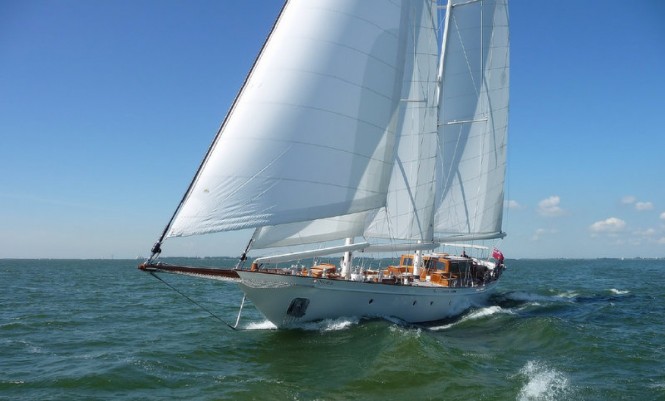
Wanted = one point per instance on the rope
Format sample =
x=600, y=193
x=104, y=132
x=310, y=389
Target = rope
x=198, y=304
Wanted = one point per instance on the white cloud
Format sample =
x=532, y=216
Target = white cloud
x=628, y=199
x=643, y=206
x=608, y=226
x=661, y=241
x=550, y=207
x=662, y=216
x=540, y=232
x=649, y=232
x=512, y=204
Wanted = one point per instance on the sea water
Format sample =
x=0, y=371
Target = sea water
x=555, y=330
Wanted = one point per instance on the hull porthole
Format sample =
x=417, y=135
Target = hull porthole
x=298, y=307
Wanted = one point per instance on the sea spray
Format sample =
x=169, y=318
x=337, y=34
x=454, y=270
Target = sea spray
x=543, y=383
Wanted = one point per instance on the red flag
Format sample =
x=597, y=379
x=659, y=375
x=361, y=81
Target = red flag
x=496, y=254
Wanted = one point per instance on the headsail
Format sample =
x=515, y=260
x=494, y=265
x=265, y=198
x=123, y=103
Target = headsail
x=311, y=134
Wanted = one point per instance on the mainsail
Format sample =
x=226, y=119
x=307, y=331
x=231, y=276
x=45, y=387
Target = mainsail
x=407, y=214
x=473, y=121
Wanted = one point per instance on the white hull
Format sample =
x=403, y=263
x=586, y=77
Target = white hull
x=287, y=300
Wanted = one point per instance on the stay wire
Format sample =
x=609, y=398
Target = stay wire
x=193, y=301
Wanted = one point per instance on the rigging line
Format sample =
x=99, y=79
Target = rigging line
x=198, y=304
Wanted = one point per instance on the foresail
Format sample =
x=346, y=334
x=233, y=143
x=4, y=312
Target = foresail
x=311, y=135
x=473, y=122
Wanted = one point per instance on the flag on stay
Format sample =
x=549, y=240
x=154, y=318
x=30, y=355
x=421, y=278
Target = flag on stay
x=496, y=254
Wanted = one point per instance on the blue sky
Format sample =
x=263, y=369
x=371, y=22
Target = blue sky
x=107, y=107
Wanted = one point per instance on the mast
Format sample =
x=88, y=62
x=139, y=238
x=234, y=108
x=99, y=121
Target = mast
x=417, y=261
x=347, y=261
x=444, y=40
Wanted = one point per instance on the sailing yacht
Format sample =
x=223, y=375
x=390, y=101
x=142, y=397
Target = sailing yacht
x=363, y=127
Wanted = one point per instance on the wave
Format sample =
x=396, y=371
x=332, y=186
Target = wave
x=406, y=330
x=337, y=324
x=543, y=383
x=264, y=325
x=473, y=315
x=342, y=323
x=568, y=296
x=519, y=300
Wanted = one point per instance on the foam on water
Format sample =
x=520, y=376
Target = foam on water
x=337, y=324
x=264, y=325
x=619, y=292
x=542, y=383
x=323, y=325
x=476, y=314
x=568, y=296
x=406, y=331
x=487, y=311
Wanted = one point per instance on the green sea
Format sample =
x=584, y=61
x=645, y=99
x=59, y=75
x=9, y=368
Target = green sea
x=103, y=330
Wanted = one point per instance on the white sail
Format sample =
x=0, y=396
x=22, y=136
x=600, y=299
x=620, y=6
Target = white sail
x=409, y=205
x=309, y=232
x=311, y=135
x=473, y=122
x=310, y=253
x=411, y=193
